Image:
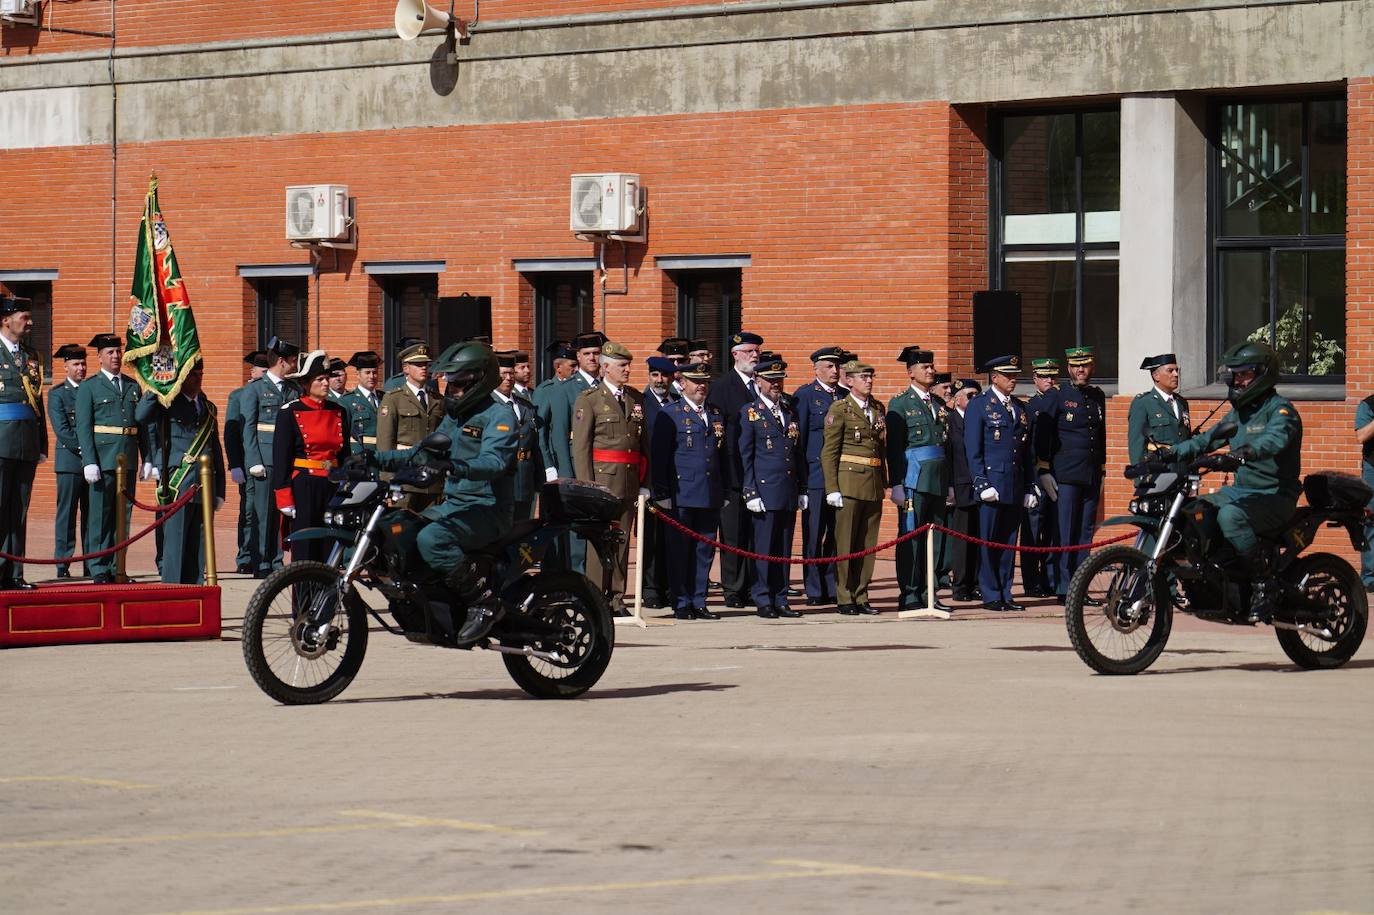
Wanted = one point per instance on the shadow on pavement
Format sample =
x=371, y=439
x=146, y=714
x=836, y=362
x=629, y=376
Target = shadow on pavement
x=826, y=649
x=1278, y=667
x=1040, y=648
x=629, y=692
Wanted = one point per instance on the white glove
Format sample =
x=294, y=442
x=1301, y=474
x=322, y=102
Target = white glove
x=988, y=495
x=803, y=501
x=550, y=474
x=257, y=472
x=949, y=496
x=834, y=500
x=236, y=474
x=219, y=500
x=1030, y=501
x=289, y=511
x=664, y=503
x=147, y=472
x=898, y=495
x=755, y=505
x=644, y=493
x=92, y=472
x=1050, y=485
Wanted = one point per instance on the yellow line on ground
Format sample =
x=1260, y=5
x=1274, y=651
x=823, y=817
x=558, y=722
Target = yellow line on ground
x=810, y=870
x=404, y=819
x=861, y=869
x=76, y=780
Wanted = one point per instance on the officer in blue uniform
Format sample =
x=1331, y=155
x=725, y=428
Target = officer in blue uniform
x=813, y=402
x=73, y=493
x=1001, y=461
x=1071, y=457
x=659, y=393
x=774, y=475
x=260, y=402
x=23, y=432
x=1040, y=571
x=686, y=466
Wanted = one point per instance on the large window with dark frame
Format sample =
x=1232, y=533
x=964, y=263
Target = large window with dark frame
x=564, y=306
x=284, y=310
x=1057, y=229
x=708, y=308
x=1278, y=231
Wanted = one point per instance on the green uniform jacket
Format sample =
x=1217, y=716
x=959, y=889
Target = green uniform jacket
x=22, y=439
x=1151, y=418
x=486, y=442
x=62, y=413
x=849, y=434
x=544, y=396
x=562, y=399
x=599, y=423
x=100, y=403
x=183, y=425
x=529, y=464
x=910, y=425
x=260, y=401
x=1272, y=430
x=233, y=430
x=362, y=416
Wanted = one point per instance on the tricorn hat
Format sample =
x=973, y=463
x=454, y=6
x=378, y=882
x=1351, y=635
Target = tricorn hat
x=70, y=351
x=105, y=341
x=366, y=359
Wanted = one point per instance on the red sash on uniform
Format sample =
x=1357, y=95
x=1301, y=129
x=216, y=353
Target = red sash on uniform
x=612, y=456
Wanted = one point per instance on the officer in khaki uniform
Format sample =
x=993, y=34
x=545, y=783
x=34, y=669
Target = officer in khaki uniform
x=607, y=444
x=409, y=413
x=105, y=429
x=23, y=432
x=855, y=469
x=920, y=475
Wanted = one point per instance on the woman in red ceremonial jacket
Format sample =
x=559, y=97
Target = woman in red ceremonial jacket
x=311, y=438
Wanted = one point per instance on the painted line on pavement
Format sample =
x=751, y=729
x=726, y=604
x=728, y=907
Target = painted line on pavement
x=378, y=820
x=804, y=870
x=116, y=784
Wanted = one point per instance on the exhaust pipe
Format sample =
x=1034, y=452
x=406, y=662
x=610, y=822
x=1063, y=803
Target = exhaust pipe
x=1325, y=634
x=527, y=651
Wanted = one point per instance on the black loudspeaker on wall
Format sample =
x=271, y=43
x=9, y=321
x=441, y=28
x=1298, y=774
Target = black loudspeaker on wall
x=996, y=325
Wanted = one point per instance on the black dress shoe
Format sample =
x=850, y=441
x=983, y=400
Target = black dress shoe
x=788, y=612
x=19, y=584
x=702, y=613
x=961, y=596
x=819, y=601
x=996, y=606
x=63, y=573
x=847, y=610
x=735, y=603
x=103, y=578
x=260, y=574
x=1013, y=605
x=687, y=614
x=1037, y=592
x=767, y=613
x=866, y=609
x=243, y=568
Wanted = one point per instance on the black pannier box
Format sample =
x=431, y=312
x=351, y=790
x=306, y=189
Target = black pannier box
x=578, y=500
x=1336, y=491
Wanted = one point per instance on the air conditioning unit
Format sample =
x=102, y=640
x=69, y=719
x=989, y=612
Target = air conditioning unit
x=23, y=12
x=316, y=212
x=606, y=202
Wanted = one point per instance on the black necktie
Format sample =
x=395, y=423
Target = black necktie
x=620, y=401
x=424, y=401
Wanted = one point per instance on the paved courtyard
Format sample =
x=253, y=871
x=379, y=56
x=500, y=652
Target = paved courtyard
x=820, y=765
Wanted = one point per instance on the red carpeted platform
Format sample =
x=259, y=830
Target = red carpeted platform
x=68, y=614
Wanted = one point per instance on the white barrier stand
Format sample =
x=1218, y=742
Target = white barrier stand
x=636, y=617
x=928, y=612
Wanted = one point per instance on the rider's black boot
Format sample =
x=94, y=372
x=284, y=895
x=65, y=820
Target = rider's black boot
x=484, y=610
x=1264, y=591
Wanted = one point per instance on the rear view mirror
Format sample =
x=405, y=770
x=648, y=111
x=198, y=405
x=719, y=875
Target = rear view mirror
x=1225, y=432
x=436, y=443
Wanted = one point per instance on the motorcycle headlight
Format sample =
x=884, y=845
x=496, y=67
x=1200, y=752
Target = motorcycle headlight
x=1134, y=506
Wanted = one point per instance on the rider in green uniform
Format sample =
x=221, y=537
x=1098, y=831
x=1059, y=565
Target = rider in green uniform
x=1266, y=455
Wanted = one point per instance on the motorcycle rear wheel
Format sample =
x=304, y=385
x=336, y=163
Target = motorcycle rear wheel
x=587, y=637
x=1330, y=580
x=284, y=665
x=1105, y=640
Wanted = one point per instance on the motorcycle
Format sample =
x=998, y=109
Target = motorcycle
x=305, y=630
x=1121, y=600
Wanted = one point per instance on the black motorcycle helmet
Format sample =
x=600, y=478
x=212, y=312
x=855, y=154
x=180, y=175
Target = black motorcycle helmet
x=471, y=367
x=1257, y=357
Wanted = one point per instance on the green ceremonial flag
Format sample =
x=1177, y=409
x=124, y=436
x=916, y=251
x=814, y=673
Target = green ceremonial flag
x=161, y=343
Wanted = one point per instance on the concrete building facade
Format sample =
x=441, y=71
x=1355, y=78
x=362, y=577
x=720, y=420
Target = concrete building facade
x=1148, y=175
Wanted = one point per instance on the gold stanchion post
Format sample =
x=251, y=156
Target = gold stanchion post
x=207, y=514
x=121, y=515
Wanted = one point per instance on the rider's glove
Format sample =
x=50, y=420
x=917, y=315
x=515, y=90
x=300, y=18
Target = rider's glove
x=1223, y=462
x=362, y=459
x=1245, y=454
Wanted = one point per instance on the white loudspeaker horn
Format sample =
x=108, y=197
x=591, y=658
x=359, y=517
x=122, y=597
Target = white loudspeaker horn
x=415, y=16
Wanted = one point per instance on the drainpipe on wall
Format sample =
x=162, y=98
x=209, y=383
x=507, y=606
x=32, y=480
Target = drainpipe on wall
x=114, y=174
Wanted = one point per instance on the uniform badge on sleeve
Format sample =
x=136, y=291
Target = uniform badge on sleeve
x=829, y=420
x=385, y=411
x=578, y=417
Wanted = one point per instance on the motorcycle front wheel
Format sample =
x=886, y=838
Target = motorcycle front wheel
x=1332, y=582
x=1109, y=635
x=283, y=654
x=585, y=637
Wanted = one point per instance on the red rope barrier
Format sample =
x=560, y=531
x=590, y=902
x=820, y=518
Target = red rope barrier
x=164, y=516
x=827, y=560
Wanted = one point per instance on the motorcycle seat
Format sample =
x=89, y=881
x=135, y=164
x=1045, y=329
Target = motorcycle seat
x=519, y=531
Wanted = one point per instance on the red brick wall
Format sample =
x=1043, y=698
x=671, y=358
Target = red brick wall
x=172, y=22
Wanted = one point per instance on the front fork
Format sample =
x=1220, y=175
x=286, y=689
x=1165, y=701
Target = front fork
x=1138, y=591
x=323, y=610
